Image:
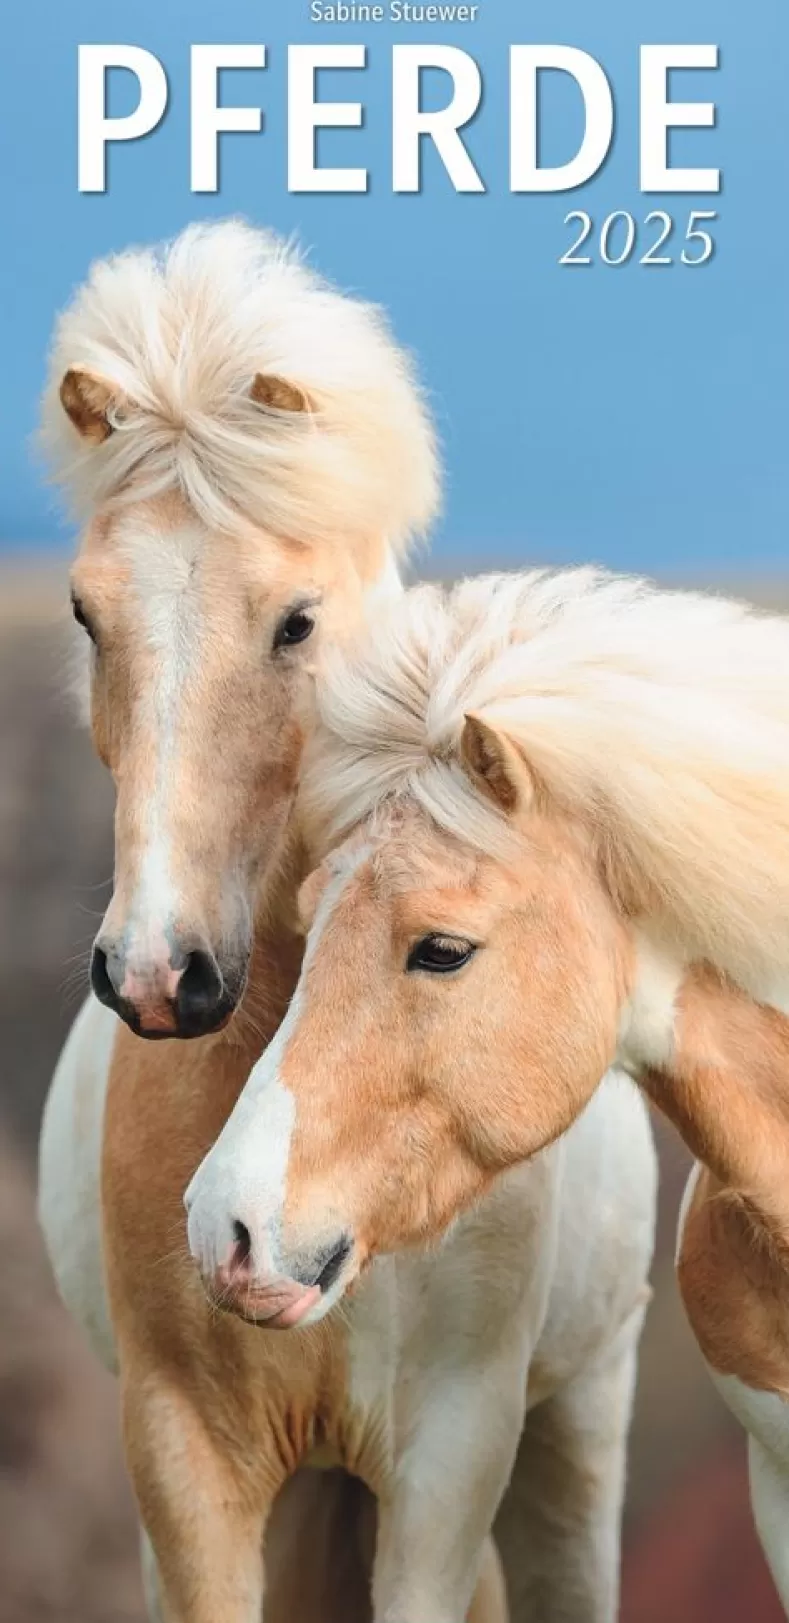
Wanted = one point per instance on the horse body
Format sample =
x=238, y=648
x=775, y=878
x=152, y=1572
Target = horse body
x=69, y=1205
x=418, y=1385
x=555, y=836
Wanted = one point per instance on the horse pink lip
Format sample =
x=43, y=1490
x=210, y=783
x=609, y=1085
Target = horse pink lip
x=154, y=1015
x=274, y=1309
x=286, y=1318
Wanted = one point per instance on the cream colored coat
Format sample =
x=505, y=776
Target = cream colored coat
x=533, y=1304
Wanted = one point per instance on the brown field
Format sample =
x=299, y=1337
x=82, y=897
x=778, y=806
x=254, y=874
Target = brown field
x=67, y=1528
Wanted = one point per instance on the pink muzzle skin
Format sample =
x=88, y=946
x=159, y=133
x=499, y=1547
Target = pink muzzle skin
x=278, y=1306
x=153, y=998
x=292, y=1314
x=273, y=1309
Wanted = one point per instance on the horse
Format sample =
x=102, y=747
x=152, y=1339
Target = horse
x=418, y=1386
x=251, y=457
x=554, y=818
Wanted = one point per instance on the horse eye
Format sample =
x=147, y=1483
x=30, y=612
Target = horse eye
x=82, y=619
x=297, y=626
x=440, y=954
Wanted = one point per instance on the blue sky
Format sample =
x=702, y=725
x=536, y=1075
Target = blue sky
x=636, y=416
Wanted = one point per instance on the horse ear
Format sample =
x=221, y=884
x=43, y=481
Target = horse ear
x=278, y=394
x=87, y=399
x=494, y=764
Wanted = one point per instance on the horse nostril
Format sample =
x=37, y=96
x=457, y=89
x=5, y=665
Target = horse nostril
x=200, y=994
x=243, y=1239
x=181, y=995
x=334, y=1263
x=100, y=979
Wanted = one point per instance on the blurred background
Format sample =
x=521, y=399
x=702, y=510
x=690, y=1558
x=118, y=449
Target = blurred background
x=628, y=416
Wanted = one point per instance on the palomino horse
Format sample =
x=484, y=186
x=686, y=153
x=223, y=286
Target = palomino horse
x=555, y=812
x=418, y=1385
x=252, y=457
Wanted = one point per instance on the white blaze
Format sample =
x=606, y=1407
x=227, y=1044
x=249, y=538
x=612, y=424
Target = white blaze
x=163, y=584
x=244, y=1177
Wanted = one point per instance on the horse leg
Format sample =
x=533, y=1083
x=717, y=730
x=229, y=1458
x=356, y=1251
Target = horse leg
x=560, y=1537
x=434, y=1557
x=318, y=1555
x=203, y=1512
x=770, y=1501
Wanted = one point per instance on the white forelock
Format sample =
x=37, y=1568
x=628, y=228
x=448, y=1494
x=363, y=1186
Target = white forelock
x=181, y=331
x=658, y=719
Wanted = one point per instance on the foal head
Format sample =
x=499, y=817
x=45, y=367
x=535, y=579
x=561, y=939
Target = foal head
x=252, y=454
x=494, y=923
x=199, y=646
x=454, y=1013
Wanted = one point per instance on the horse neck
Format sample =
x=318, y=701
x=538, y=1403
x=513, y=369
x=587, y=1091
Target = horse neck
x=741, y=1141
x=716, y=1062
x=729, y=1097
x=277, y=945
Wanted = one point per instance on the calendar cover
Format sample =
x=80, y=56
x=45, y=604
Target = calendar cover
x=573, y=220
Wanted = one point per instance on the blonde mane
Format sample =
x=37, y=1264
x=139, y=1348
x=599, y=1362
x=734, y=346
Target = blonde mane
x=658, y=719
x=182, y=331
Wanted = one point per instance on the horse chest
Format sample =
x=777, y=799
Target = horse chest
x=400, y=1342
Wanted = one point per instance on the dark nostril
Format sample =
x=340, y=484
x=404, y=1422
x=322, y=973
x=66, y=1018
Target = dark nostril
x=100, y=978
x=334, y=1263
x=200, y=1002
x=200, y=986
x=243, y=1240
